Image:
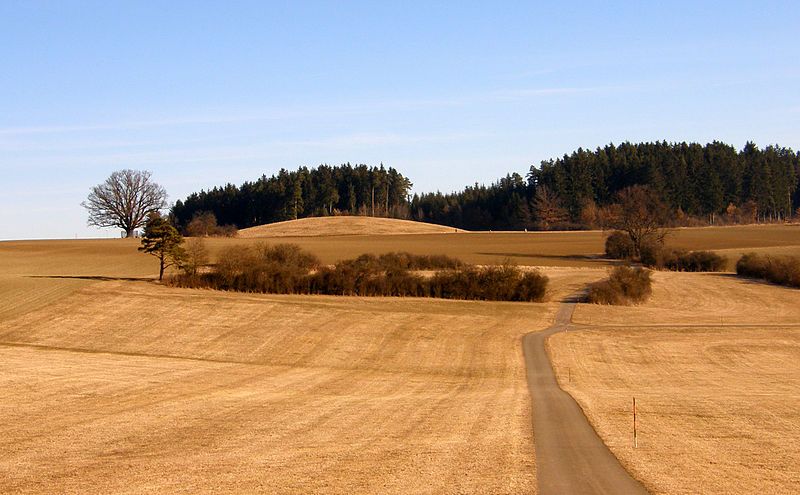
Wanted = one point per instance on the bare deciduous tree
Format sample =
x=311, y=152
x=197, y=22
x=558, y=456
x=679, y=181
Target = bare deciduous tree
x=641, y=214
x=547, y=207
x=196, y=256
x=124, y=200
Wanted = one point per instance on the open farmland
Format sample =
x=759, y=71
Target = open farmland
x=577, y=248
x=714, y=363
x=127, y=386
x=113, y=383
x=701, y=299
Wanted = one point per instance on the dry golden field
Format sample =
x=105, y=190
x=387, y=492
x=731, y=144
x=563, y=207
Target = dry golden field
x=717, y=406
x=110, y=382
x=701, y=299
x=583, y=249
x=127, y=386
x=133, y=387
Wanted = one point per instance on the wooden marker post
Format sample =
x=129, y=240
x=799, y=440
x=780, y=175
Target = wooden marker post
x=635, y=439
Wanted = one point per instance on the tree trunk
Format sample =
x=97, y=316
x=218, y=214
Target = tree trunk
x=129, y=233
x=161, y=269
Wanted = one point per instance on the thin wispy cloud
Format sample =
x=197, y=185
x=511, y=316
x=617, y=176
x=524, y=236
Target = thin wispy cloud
x=366, y=107
x=261, y=151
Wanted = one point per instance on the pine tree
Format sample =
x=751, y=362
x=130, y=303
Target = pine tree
x=163, y=241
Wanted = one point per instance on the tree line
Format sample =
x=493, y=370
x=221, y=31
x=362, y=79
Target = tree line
x=711, y=183
x=320, y=191
x=697, y=184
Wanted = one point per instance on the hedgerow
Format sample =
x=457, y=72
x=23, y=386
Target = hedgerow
x=287, y=269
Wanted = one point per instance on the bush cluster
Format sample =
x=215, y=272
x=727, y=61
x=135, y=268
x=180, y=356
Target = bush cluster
x=418, y=261
x=680, y=260
x=619, y=246
x=287, y=269
x=204, y=224
x=778, y=270
x=490, y=283
x=625, y=285
x=279, y=269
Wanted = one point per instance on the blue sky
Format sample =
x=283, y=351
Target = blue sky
x=450, y=93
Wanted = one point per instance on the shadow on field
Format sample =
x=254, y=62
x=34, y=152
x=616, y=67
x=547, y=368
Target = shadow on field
x=576, y=297
x=99, y=278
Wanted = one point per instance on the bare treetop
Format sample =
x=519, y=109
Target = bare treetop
x=124, y=200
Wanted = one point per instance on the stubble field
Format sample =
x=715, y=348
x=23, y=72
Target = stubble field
x=117, y=384
x=113, y=383
x=714, y=364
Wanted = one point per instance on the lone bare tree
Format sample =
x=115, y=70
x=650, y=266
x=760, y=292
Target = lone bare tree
x=124, y=200
x=641, y=214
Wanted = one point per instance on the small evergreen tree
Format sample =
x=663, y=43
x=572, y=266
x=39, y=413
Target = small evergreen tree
x=163, y=241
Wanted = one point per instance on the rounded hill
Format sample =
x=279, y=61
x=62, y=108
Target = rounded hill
x=343, y=225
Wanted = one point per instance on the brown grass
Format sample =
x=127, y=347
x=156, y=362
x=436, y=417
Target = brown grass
x=584, y=248
x=35, y=273
x=345, y=225
x=131, y=387
x=718, y=407
x=701, y=299
x=127, y=386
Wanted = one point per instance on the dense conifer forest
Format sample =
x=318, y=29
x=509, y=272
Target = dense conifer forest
x=697, y=184
x=325, y=190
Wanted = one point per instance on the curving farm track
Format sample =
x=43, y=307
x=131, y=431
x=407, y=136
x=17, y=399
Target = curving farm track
x=570, y=457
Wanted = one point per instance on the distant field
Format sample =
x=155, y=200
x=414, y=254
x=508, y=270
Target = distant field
x=717, y=407
x=36, y=273
x=581, y=248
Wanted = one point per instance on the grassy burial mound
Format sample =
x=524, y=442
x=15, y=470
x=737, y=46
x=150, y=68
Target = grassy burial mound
x=343, y=225
x=287, y=269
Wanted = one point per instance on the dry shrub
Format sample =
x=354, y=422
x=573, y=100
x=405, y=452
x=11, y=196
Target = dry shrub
x=625, y=285
x=410, y=261
x=196, y=256
x=619, y=246
x=287, y=269
x=227, y=231
x=531, y=287
x=492, y=283
x=679, y=260
x=287, y=254
x=204, y=224
x=782, y=270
